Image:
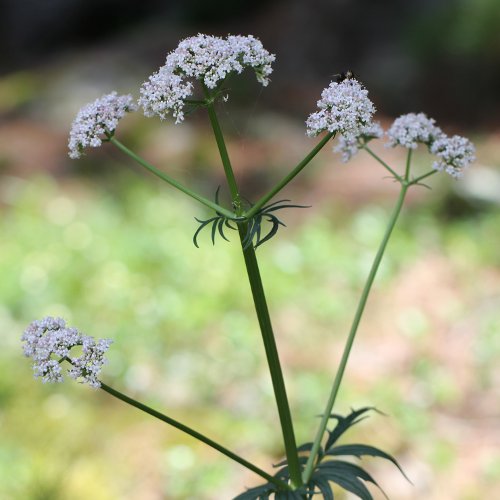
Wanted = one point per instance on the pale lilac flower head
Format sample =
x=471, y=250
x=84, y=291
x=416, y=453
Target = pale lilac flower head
x=208, y=59
x=345, y=108
x=350, y=145
x=164, y=93
x=97, y=119
x=48, y=342
x=411, y=129
x=454, y=154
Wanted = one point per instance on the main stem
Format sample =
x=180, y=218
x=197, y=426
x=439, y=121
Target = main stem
x=184, y=428
x=352, y=334
x=262, y=315
x=272, y=358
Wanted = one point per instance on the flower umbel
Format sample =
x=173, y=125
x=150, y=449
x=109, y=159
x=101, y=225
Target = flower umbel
x=97, y=119
x=344, y=108
x=454, y=154
x=350, y=145
x=163, y=93
x=411, y=129
x=48, y=342
x=208, y=59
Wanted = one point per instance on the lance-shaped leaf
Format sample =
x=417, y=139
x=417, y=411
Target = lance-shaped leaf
x=253, y=235
x=347, y=470
x=220, y=225
x=349, y=483
x=323, y=485
x=360, y=450
x=203, y=223
x=276, y=223
x=261, y=492
x=344, y=423
x=302, y=461
x=289, y=495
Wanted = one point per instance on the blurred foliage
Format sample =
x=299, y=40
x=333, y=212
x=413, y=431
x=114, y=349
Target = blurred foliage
x=116, y=259
x=456, y=28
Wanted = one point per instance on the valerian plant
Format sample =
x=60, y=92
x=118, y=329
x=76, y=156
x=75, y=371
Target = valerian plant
x=194, y=77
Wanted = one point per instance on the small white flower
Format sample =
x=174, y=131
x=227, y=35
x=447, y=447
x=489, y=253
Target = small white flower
x=248, y=52
x=48, y=342
x=208, y=59
x=163, y=93
x=454, y=154
x=350, y=145
x=97, y=119
x=345, y=108
x=411, y=129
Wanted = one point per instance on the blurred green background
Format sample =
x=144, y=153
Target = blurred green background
x=109, y=247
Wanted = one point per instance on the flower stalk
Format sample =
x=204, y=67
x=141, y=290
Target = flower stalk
x=170, y=180
x=405, y=184
x=280, y=185
x=191, y=432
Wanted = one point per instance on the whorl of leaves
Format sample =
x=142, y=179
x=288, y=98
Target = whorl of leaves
x=328, y=470
x=253, y=234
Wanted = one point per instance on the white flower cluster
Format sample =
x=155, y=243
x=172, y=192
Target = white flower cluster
x=344, y=108
x=97, y=119
x=454, y=153
x=163, y=93
x=411, y=129
x=209, y=59
x=350, y=145
x=48, y=343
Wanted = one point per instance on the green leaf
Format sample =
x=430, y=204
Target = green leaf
x=305, y=447
x=252, y=228
x=220, y=226
x=203, y=223
x=288, y=495
x=348, y=470
x=217, y=200
x=263, y=209
x=214, y=229
x=276, y=224
x=360, y=450
x=266, y=210
x=324, y=487
x=261, y=492
x=344, y=423
x=349, y=483
x=302, y=460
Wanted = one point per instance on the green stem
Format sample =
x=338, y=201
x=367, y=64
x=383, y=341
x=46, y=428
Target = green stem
x=233, y=187
x=382, y=162
x=408, y=163
x=262, y=201
x=262, y=315
x=352, y=334
x=184, y=428
x=171, y=181
x=422, y=177
x=272, y=357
